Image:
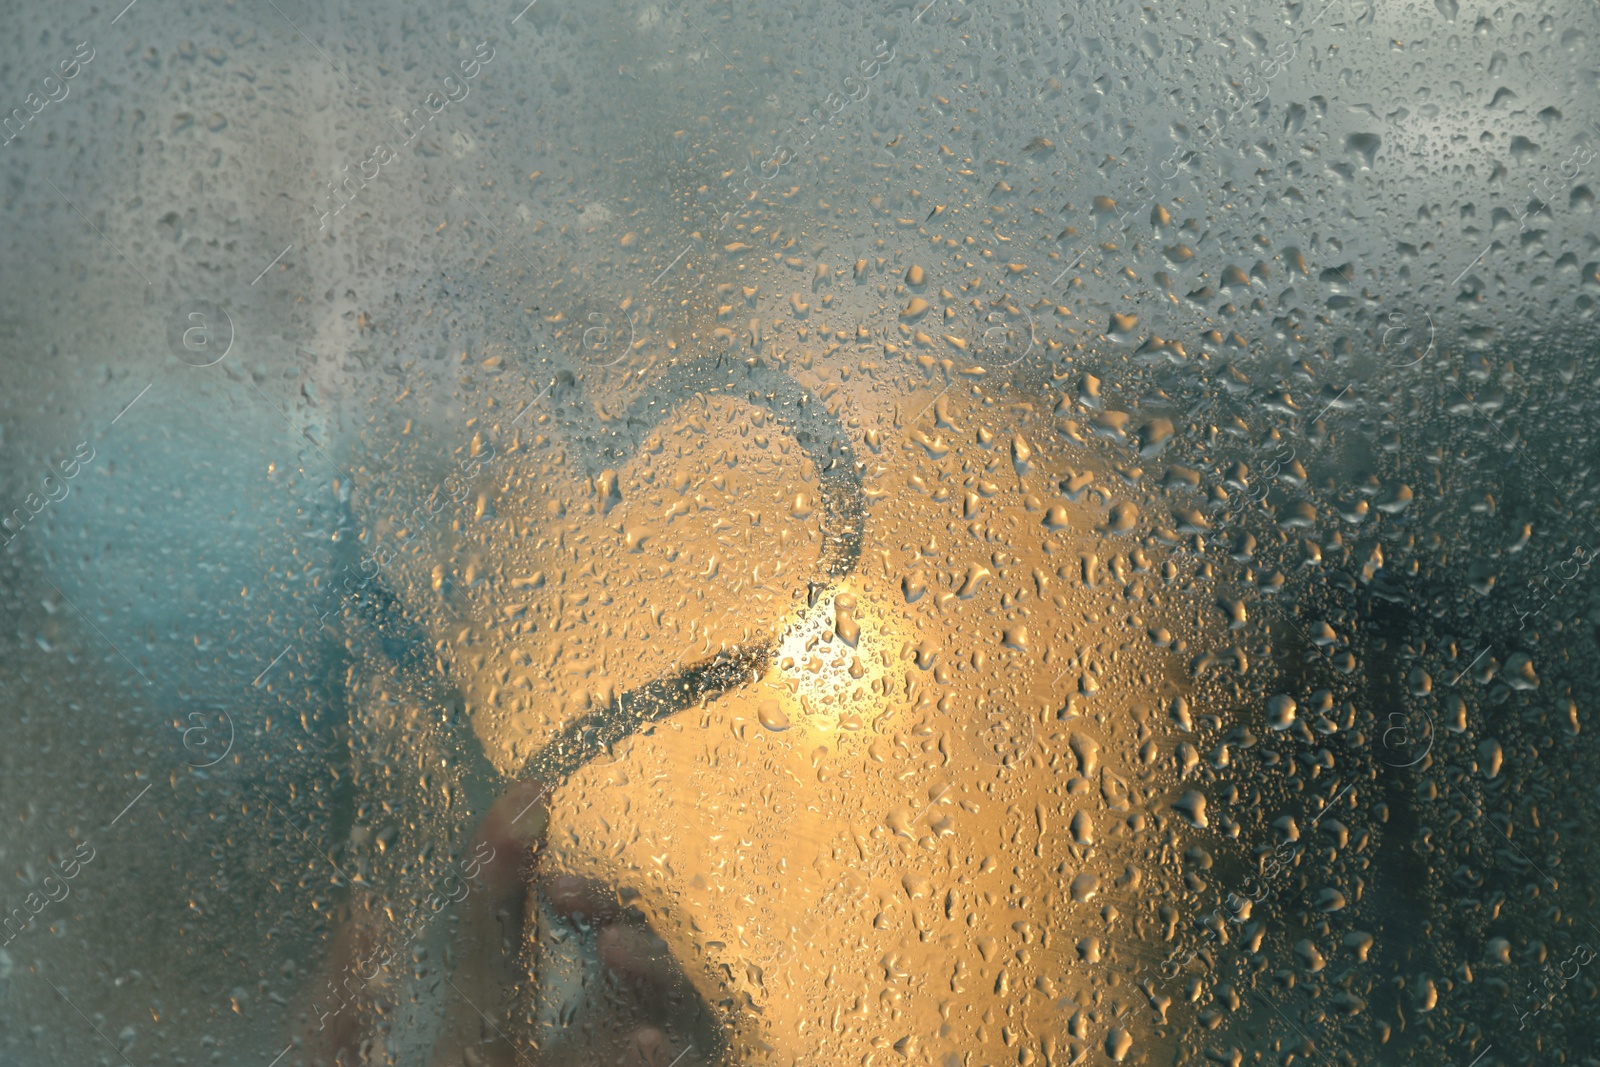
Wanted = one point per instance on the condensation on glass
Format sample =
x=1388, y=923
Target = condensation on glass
x=811, y=533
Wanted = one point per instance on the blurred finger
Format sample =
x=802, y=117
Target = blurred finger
x=581, y=900
x=510, y=837
x=488, y=945
x=634, y=954
x=343, y=1005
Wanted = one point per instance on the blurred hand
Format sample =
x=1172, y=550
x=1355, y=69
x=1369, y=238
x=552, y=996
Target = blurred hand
x=521, y=925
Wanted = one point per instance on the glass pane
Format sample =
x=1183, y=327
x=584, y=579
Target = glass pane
x=696, y=533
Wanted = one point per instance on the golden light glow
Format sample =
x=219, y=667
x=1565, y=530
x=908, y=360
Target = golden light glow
x=833, y=669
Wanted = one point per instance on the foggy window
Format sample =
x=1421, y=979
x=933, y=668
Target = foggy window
x=798, y=533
